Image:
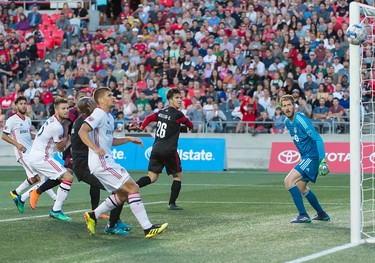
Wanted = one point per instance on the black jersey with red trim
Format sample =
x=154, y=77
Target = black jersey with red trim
x=168, y=126
x=79, y=149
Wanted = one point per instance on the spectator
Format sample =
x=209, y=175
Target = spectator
x=196, y=115
x=215, y=119
x=5, y=73
x=263, y=123
x=82, y=14
x=39, y=111
x=64, y=24
x=335, y=116
x=81, y=81
x=34, y=17
x=320, y=114
x=249, y=115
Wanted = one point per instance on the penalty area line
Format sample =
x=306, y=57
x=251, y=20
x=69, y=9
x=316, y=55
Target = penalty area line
x=323, y=253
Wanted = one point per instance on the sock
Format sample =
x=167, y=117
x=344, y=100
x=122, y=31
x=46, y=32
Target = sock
x=47, y=185
x=95, y=196
x=25, y=184
x=138, y=210
x=62, y=194
x=115, y=216
x=297, y=198
x=175, y=191
x=313, y=200
x=143, y=181
x=52, y=194
x=26, y=195
x=111, y=202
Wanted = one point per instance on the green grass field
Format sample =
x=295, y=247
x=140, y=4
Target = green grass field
x=235, y=216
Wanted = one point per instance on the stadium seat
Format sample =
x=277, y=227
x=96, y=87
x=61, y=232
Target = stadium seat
x=41, y=50
x=52, y=28
x=54, y=17
x=46, y=23
x=50, y=43
x=58, y=36
x=46, y=33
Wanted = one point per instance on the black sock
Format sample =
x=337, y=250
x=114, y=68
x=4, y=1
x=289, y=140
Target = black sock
x=49, y=184
x=115, y=216
x=175, y=191
x=145, y=180
x=95, y=196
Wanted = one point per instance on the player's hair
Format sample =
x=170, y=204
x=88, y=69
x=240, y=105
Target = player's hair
x=59, y=101
x=172, y=92
x=19, y=99
x=99, y=93
x=287, y=97
x=83, y=106
x=79, y=93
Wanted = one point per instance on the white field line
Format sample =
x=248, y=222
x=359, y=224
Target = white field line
x=161, y=202
x=323, y=253
x=216, y=185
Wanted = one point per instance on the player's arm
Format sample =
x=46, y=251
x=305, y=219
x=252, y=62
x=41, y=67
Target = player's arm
x=85, y=137
x=186, y=122
x=9, y=139
x=119, y=141
x=148, y=120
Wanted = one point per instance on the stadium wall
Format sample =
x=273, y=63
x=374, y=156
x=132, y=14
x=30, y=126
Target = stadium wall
x=243, y=150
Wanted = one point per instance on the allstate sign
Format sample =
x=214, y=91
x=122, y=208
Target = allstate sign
x=195, y=154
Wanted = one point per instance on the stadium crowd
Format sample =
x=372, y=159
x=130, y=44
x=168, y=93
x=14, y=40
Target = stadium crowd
x=231, y=59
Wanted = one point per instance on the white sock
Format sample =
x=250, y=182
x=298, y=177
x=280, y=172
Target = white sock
x=138, y=210
x=26, y=195
x=109, y=203
x=51, y=193
x=62, y=194
x=25, y=184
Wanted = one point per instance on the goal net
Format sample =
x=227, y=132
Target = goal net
x=362, y=127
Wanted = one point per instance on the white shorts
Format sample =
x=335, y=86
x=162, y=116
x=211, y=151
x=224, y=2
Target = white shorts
x=49, y=168
x=111, y=175
x=25, y=164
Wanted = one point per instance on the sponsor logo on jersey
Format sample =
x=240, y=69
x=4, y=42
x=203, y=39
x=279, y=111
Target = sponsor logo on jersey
x=288, y=157
x=90, y=118
x=24, y=131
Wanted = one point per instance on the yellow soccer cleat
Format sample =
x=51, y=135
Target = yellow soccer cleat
x=90, y=222
x=155, y=230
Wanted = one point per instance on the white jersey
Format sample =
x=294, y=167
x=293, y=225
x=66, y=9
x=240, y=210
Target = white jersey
x=49, y=134
x=102, y=125
x=18, y=129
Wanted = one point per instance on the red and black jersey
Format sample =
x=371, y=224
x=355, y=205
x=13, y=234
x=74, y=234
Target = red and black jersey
x=168, y=125
x=79, y=149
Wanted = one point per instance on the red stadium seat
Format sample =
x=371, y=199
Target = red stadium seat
x=41, y=50
x=49, y=42
x=58, y=36
x=54, y=17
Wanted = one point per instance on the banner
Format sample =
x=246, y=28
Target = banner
x=285, y=156
x=195, y=154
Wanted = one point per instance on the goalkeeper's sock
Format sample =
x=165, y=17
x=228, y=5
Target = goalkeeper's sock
x=313, y=200
x=297, y=198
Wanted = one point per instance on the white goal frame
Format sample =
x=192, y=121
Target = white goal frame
x=355, y=10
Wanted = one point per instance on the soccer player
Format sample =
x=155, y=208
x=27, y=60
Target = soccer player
x=313, y=162
x=50, y=140
x=80, y=154
x=97, y=133
x=164, y=151
x=17, y=131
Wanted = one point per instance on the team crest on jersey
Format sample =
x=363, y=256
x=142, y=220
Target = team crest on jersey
x=123, y=170
x=90, y=118
x=295, y=129
x=6, y=128
x=21, y=124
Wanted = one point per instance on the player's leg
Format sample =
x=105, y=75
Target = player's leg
x=311, y=173
x=290, y=182
x=172, y=163
x=25, y=184
x=131, y=189
x=155, y=167
x=62, y=193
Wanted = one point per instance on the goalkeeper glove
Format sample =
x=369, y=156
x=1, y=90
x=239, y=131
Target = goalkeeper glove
x=323, y=168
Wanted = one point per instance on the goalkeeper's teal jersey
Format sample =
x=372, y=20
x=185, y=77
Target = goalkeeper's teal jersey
x=305, y=137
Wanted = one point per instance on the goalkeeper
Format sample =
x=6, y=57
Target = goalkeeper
x=313, y=162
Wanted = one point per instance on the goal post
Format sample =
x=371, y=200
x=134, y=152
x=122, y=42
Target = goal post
x=362, y=131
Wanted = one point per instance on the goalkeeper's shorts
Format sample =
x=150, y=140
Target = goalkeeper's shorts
x=309, y=169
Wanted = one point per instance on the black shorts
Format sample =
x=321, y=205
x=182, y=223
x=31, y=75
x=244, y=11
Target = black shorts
x=170, y=160
x=82, y=172
x=103, y=8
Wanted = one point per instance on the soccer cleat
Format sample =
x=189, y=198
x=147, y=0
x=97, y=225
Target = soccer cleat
x=13, y=194
x=123, y=225
x=20, y=205
x=174, y=207
x=90, y=222
x=323, y=216
x=115, y=230
x=33, y=198
x=103, y=216
x=155, y=230
x=59, y=215
x=302, y=219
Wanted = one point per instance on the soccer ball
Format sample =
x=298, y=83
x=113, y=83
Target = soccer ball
x=356, y=34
